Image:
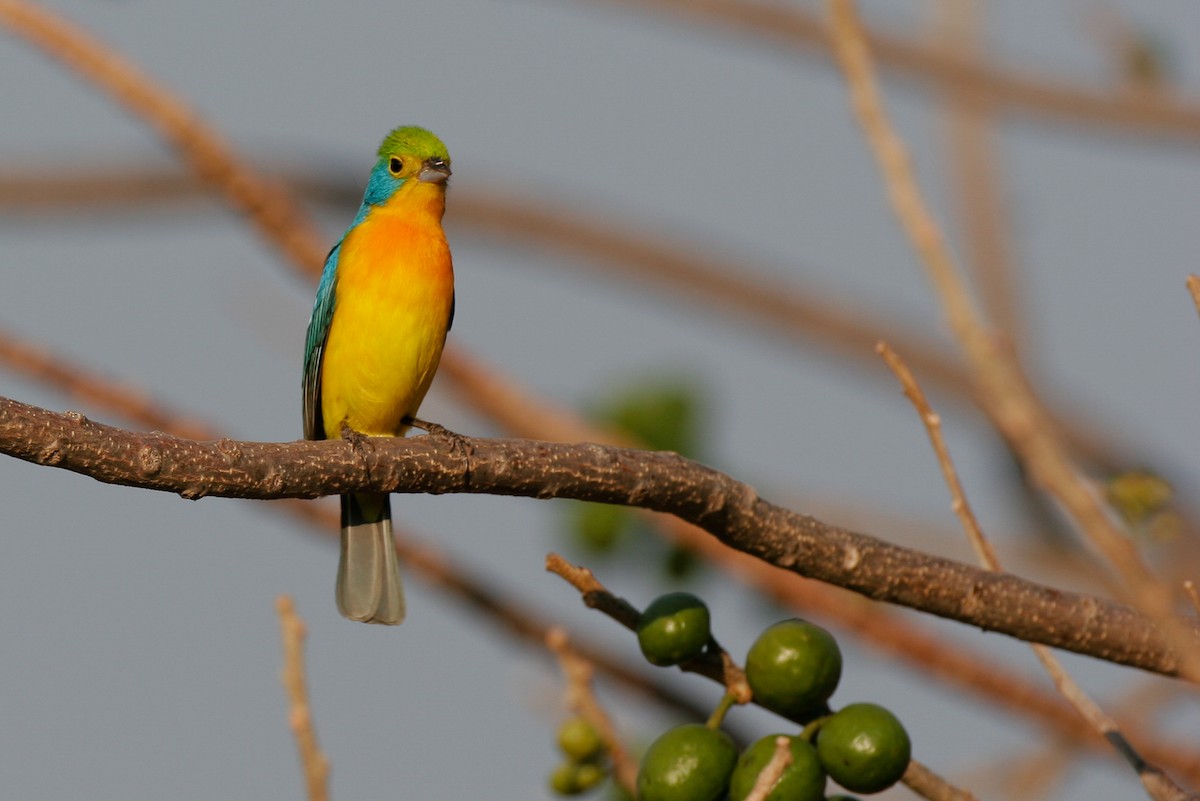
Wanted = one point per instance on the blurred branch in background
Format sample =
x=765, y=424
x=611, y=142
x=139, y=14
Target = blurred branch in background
x=270, y=208
x=1010, y=92
x=974, y=170
x=300, y=718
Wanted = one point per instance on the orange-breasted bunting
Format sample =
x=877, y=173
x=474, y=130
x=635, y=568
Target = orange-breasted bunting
x=383, y=307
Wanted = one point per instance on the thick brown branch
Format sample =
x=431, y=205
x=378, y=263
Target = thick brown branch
x=664, y=482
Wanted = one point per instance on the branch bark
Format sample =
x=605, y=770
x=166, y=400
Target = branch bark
x=664, y=482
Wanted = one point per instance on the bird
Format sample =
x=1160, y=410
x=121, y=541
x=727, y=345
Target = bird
x=384, y=305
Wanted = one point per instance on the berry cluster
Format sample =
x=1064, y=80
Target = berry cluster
x=584, y=765
x=792, y=669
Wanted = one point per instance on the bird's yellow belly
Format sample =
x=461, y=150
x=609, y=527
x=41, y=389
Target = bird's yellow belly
x=392, y=309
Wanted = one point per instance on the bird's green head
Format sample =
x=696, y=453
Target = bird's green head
x=408, y=153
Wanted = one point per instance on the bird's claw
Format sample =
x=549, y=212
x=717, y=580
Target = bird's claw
x=357, y=439
x=458, y=443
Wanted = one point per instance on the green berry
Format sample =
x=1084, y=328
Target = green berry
x=842, y=798
x=793, y=667
x=565, y=779
x=589, y=774
x=673, y=629
x=573, y=778
x=864, y=748
x=802, y=780
x=687, y=763
x=579, y=740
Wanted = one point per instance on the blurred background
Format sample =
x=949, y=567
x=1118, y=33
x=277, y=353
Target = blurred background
x=1057, y=142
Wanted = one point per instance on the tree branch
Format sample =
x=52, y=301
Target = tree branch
x=659, y=481
x=1014, y=92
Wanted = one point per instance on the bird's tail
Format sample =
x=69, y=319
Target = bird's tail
x=368, y=582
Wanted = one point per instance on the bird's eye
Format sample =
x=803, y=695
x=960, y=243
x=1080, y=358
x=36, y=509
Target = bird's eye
x=396, y=165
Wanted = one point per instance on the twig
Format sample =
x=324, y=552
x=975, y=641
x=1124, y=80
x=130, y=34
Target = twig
x=1158, y=784
x=581, y=699
x=933, y=427
x=316, y=766
x=593, y=593
x=772, y=772
x=1193, y=285
x=715, y=663
x=1007, y=396
x=926, y=783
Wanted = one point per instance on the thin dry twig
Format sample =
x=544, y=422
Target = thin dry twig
x=1007, y=396
x=927, y=784
x=300, y=719
x=1193, y=285
x=772, y=772
x=933, y=426
x=1159, y=786
x=715, y=663
x=581, y=699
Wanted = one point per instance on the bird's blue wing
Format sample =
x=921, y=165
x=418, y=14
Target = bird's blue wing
x=314, y=346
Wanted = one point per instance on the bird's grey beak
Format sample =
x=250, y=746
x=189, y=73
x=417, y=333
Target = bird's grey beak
x=435, y=171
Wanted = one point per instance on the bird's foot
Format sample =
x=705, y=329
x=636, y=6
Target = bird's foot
x=458, y=443
x=350, y=435
x=432, y=429
x=357, y=439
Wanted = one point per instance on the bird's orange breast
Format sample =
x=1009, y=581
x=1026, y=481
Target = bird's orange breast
x=392, y=306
